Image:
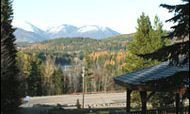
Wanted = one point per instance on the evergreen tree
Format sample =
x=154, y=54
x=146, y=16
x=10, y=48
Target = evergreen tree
x=141, y=39
x=156, y=34
x=181, y=31
x=58, y=81
x=89, y=82
x=181, y=17
x=173, y=52
x=65, y=84
x=10, y=95
x=34, y=79
x=147, y=39
x=24, y=66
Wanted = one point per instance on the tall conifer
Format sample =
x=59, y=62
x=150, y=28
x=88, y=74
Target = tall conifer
x=181, y=18
x=10, y=96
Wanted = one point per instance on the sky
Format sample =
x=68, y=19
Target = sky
x=119, y=15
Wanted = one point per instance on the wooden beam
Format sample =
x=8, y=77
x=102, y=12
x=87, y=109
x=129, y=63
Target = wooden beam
x=128, y=100
x=143, y=95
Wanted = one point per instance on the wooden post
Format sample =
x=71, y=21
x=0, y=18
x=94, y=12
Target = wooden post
x=143, y=95
x=128, y=99
x=180, y=103
x=182, y=91
x=177, y=99
x=83, y=86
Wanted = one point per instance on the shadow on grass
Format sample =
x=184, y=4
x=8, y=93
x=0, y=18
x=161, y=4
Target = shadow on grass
x=36, y=109
x=87, y=111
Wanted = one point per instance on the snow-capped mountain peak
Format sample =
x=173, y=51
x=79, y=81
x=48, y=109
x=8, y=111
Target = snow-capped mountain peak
x=30, y=32
x=35, y=29
x=88, y=28
x=25, y=26
x=63, y=28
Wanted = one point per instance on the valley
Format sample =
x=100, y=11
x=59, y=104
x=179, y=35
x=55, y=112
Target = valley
x=61, y=61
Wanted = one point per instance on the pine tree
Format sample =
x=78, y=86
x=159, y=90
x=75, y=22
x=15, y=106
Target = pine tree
x=34, y=79
x=180, y=31
x=147, y=39
x=89, y=82
x=141, y=37
x=58, y=81
x=156, y=34
x=24, y=66
x=10, y=96
x=173, y=52
x=181, y=17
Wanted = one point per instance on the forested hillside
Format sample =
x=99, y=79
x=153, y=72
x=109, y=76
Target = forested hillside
x=54, y=66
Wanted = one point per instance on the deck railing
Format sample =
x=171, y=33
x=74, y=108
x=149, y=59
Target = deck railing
x=122, y=111
x=164, y=111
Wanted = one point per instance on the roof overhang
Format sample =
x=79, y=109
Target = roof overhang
x=160, y=77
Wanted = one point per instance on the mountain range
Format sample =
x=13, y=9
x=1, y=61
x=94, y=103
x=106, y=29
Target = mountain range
x=35, y=34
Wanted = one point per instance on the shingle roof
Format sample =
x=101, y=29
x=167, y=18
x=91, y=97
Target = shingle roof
x=162, y=70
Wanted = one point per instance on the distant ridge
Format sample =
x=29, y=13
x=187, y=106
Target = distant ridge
x=35, y=34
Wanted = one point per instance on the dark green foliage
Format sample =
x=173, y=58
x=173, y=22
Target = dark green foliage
x=146, y=40
x=163, y=100
x=58, y=81
x=66, y=85
x=181, y=31
x=170, y=52
x=70, y=45
x=120, y=38
x=173, y=52
x=34, y=79
x=88, y=75
x=144, y=27
x=181, y=17
x=146, y=35
x=10, y=95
